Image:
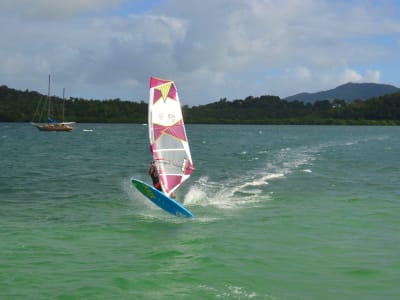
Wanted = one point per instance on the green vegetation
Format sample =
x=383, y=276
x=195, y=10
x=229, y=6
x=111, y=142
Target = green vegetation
x=384, y=110
x=20, y=106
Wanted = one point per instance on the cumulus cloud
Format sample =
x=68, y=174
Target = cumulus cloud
x=351, y=76
x=212, y=49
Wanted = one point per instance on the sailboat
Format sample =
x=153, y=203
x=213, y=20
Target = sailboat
x=54, y=125
x=169, y=146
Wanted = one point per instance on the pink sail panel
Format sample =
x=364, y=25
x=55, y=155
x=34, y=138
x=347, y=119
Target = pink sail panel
x=169, y=182
x=154, y=81
x=177, y=130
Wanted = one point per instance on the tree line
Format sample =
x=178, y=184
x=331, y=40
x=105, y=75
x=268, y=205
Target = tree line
x=384, y=110
x=20, y=106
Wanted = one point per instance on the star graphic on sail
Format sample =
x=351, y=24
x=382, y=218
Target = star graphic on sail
x=164, y=91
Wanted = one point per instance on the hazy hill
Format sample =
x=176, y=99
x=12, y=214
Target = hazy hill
x=348, y=91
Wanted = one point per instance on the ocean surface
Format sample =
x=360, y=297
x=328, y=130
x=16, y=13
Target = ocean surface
x=280, y=212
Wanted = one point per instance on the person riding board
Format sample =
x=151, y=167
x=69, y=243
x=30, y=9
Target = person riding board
x=156, y=178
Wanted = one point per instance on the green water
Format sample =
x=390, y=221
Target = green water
x=280, y=212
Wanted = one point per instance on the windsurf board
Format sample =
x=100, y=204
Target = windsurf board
x=161, y=200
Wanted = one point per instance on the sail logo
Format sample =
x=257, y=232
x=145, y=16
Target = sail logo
x=160, y=116
x=148, y=192
x=171, y=118
x=145, y=190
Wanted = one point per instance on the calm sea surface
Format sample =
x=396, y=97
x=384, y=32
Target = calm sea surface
x=280, y=212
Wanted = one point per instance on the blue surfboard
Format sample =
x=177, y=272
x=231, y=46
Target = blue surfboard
x=161, y=200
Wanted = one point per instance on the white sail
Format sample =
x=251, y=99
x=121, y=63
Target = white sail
x=168, y=140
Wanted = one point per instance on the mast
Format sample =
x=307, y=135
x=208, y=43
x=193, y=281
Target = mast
x=63, y=105
x=48, y=99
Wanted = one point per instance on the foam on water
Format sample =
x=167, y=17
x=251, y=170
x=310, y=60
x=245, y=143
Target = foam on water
x=229, y=194
x=248, y=188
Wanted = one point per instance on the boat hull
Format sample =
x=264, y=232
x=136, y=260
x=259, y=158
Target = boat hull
x=53, y=127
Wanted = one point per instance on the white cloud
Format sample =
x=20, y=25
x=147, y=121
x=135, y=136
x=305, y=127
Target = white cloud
x=303, y=73
x=372, y=76
x=214, y=49
x=351, y=76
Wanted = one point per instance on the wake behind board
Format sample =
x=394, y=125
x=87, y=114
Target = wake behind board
x=161, y=200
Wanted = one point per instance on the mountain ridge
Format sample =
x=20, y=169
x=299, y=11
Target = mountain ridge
x=349, y=91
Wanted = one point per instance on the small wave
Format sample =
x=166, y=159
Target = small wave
x=254, y=158
x=232, y=292
x=263, y=180
x=288, y=160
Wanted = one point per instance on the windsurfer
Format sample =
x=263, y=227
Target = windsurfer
x=154, y=176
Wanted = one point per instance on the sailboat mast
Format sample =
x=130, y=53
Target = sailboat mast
x=48, y=99
x=63, y=104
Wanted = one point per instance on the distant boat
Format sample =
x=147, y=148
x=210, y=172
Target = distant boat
x=52, y=124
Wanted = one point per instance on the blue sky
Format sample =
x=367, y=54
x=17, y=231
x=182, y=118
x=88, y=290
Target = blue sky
x=212, y=49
